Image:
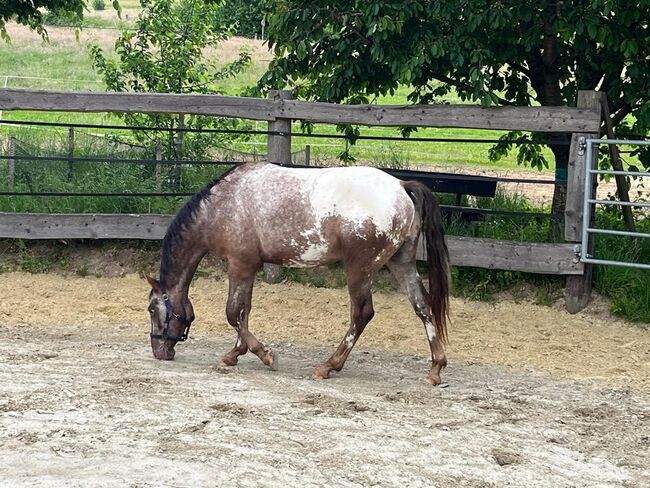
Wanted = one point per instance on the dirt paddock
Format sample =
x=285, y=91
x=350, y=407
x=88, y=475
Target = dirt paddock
x=535, y=397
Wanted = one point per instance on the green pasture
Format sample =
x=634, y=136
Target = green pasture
x=52, y=67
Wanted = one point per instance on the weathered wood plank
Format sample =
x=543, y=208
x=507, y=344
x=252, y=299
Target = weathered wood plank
x=577, y=292
x=464, y=251
x=573, y=213
x=83, y=226
x=278, y=151
x=544, y=119
x=529, y=257
x=240, y=107
x=279, y=147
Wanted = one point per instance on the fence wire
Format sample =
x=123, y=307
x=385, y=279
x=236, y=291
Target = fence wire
x=79, y=164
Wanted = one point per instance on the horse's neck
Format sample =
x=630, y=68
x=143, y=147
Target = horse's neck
x=181, y=266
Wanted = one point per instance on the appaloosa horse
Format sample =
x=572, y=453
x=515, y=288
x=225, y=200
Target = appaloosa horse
x=301, y=217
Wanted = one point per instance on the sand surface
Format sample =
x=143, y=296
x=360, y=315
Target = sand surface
x=535, y=397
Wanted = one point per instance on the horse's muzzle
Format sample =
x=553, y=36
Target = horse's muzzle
x=162, y=350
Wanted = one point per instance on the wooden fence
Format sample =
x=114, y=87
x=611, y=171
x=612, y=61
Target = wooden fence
x=279, y=110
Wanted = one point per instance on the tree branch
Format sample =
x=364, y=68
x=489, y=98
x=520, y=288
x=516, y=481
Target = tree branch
x=464, y=86
x=623, y=112
x=521, y=68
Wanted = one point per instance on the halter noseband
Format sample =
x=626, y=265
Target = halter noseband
x=168, y=317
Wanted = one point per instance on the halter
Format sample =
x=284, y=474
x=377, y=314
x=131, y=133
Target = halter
x=168, y=316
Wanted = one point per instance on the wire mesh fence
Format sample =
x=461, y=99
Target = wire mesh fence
x=101, y=168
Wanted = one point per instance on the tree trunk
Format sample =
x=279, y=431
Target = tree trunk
x=543, y=64
x=561, y=153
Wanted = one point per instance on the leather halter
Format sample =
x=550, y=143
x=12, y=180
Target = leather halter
x=170, y=314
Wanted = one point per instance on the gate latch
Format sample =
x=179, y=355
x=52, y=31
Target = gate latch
x=577, y=250
x=582, y=145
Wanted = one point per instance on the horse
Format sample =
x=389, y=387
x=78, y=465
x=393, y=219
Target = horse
x=258, y=213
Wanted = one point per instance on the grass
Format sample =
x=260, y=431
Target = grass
x=29, y=57
x=94, y=177
x=627, y=288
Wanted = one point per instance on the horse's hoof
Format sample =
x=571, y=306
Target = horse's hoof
x=227, y=362
x=433, y=379
x=271, y=360
x=321, y=373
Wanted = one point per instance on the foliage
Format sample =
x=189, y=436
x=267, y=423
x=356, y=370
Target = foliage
x=57, y=19
x=165, y=54
x=99, y=4
x=246, y=16
x=30, y=13
x=491, y=52
x=514, y=52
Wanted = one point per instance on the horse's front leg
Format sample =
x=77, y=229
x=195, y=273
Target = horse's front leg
x=240, y=349
x=240, y=292
x=361, y=312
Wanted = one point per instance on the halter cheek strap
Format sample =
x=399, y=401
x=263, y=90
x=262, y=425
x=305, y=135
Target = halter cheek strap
x=169, y=315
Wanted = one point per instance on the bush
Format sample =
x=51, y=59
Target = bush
x=99, y=4
x=245, y=16
x=57, y=19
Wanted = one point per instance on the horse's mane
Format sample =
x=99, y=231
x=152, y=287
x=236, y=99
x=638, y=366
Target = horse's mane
x=183, y=220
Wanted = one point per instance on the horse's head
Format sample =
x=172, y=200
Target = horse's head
x=171, y=317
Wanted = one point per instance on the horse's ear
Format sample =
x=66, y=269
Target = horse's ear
x=155, y=284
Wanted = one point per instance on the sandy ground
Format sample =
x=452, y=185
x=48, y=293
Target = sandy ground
x=536, y=397
x=588, y=345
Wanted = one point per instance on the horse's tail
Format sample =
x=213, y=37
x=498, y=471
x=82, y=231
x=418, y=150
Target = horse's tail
x=428, y=209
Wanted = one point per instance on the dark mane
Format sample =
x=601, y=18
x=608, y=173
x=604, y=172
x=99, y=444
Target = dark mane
x=184, y=218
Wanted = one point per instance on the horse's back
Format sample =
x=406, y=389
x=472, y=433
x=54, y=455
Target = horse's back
x=311, y=216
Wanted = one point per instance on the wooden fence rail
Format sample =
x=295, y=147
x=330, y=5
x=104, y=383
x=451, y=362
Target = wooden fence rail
x=529, y=257
x=541, y=119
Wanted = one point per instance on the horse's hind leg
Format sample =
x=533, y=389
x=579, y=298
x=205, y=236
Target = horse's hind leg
x=361, y=312
x=238, y=308
x=402, y=266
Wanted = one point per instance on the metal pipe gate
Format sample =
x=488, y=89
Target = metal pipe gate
x=590, y=202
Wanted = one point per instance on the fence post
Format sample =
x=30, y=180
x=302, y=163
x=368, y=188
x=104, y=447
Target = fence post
x=307, y=155
x=279, y=147
x=70, y=152
x=11, y=152
x=158, y=159
x=578, y=287
x=278, y=151
x=177, y=172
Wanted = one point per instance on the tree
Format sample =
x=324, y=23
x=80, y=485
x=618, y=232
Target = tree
x=165, y=55
x=505, y=52
x=28, y=12
x=245, y=15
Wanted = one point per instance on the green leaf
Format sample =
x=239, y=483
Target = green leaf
x=592, y=30
x=4, y=34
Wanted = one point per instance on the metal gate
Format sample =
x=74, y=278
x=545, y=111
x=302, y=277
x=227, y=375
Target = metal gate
x=590, y=202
